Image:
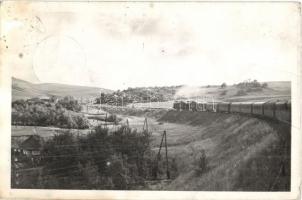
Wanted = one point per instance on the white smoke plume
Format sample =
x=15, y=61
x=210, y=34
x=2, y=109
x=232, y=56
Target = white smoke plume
x=190, y=92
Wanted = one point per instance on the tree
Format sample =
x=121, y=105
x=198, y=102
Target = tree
x=70, y=103
x=81, y=122
x=60, y=157
x=223, y=85
x=264, y=85
x=255, y=83
x=119, y=173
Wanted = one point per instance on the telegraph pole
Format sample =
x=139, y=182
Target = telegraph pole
x=158, y=156
x=105, y=121
x=213, y=104
x=167, y=163
x=145, y=127
x=149, y=97
x=101, y=100
x=127, y=123
x=115, y=100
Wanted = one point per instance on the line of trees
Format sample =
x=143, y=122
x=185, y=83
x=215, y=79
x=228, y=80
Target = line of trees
x=140, y=94
x=250, y=86
x=35, y=112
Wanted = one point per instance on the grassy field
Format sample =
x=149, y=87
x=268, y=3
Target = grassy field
x=243, y=153
x=44, y=132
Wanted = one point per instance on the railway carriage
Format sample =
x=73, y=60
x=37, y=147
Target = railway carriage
x=283, y=111
x=246, y=107
x=257, y=108
x=269, y=109
x=210, y=107
x=186, y=106
x=183, y=105
x=235, y=107
x=176, y=105
x=201, y=107
x=223, y=107
x=193, y=106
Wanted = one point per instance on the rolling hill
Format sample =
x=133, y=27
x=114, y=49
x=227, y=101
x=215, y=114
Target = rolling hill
x=23, y=90
x=276, y=90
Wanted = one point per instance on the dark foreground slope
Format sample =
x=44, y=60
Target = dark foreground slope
x=243, y=153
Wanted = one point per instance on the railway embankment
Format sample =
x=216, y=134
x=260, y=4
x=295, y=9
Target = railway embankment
x=242, y=152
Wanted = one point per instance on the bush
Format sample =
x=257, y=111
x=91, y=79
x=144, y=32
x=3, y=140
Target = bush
x=69, y=103
x=174, y=168
x=200, y=161
x=119, y=173
x=223, y=93
x=112, y=118
x=241, y=93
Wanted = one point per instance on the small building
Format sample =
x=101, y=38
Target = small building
x=45, y=99
x=32, y=145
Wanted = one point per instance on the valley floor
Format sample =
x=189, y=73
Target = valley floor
x=243, y=153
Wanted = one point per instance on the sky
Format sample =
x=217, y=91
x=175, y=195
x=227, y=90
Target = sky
x=117, y=45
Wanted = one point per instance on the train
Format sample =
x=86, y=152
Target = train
x=276, y=110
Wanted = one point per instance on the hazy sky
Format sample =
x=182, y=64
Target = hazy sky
x=120, y=45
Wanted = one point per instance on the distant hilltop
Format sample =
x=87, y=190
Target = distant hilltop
x=24, y=90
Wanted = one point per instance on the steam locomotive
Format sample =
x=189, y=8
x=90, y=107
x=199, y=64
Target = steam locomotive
x=277, y=110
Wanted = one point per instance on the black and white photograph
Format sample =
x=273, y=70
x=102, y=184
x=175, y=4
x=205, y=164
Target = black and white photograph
x=152, y=96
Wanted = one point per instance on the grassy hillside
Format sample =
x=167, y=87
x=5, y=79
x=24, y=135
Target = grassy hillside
x=278, y=90
x=273, y=91
x=243, y=153
x=23, y=90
